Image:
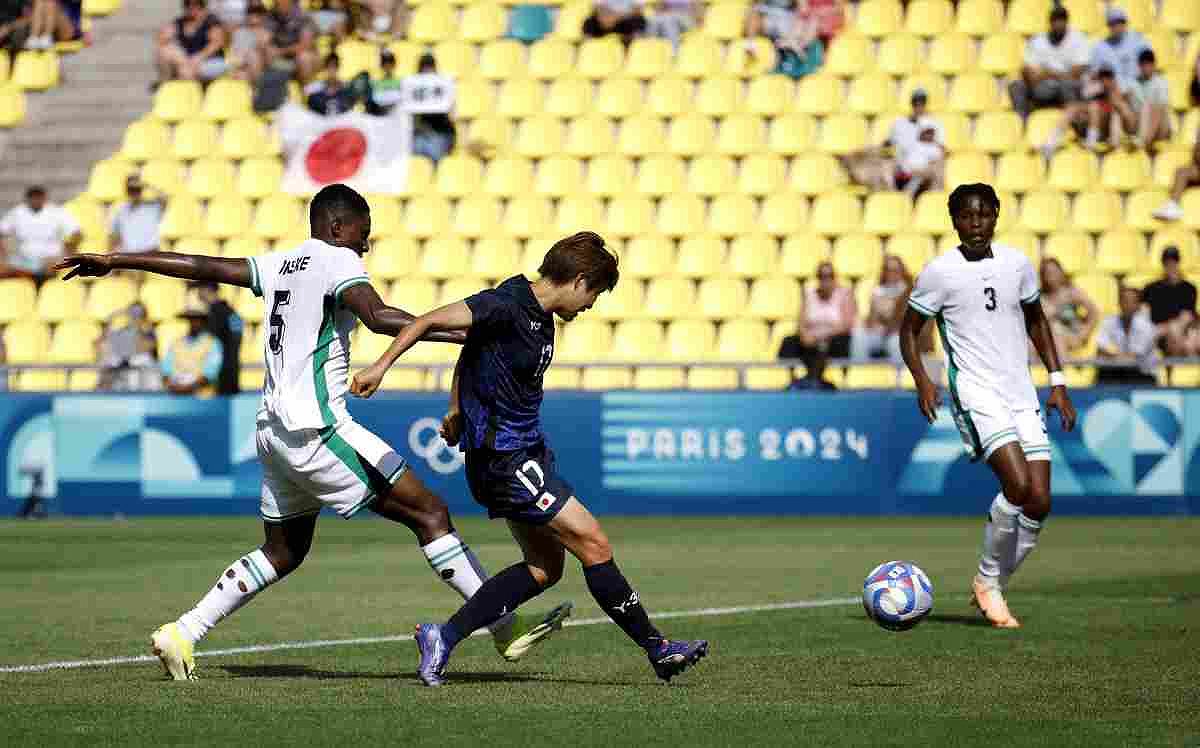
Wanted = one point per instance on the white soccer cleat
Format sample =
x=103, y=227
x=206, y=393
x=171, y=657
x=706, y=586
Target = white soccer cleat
x=516, y=639
x=175, y=651
x=1170, y=211
x=987, y=597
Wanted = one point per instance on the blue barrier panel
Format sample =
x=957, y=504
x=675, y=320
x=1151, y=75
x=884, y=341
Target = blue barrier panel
x=1134, y=452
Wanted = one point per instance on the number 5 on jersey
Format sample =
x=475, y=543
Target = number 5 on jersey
x=277, y=326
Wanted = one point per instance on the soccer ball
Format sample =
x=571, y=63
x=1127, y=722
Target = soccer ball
x=897, y=595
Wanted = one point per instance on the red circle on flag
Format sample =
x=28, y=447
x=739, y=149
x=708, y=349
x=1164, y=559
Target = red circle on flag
x=336, y=155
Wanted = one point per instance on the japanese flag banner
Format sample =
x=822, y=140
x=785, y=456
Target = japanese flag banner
x=367, y=153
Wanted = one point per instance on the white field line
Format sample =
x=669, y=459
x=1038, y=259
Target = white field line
x=318, y=643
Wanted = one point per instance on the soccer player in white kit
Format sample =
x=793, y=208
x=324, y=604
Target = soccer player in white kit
x=986, y=302
x=313, y=453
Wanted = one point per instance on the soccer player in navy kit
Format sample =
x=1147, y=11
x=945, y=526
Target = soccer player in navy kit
x=496, y=396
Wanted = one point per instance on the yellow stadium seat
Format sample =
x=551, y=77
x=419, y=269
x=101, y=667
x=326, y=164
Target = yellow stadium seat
x=1139, y=211
x=800, y=255
x=899, y=55
x=1191, y=208
x=35, y=71
x=721, y=298
x=849, y=55
x=145, y=139
x=431, y=22
x=931, y=215
x=999, y=132
x=690, y=134
x=773, y=299
x=420, y=176
x=661, y=175
x=1040, y=125
x=1180, y=15
x=557, y=176
x=21, y=295
x=475, y=99
x=1026, y=241
x=872, y=94
x=820, y=94
x=879, y=18
x=761, y=175
x=385, y=215
x=26, y=342
x=713, y=378
x=194, y=139
x=783, y=214
x=584, y=340
x=752, y=256
x=163, y=298
x=588, y=136
x=108, y=295
x=1101, y=288
x=1086, y=16
x=177, y=100
x=35, y=380
x=258, y=177
x=277, y=216
x=699, y=56
x=1189, y=127
x=717, y=97
x=1186, y=375
x=227, y=99
x=476, y=216
x=83, y=380
x=1044, y=211
x=914, y=250
x=768, y=378
x=507, y=177
x=965, y=168
x=670, y=298
x=1073, y=170
x=247, y=137
x=929, y=17
x=836, y=213
x=392, y=258
x=625, y=301
x=857, y=255
x=1096, y=211
x=482, y=22
x=181, y=218
x=699, y=257
x=1178, y=83
x=606, y=378
x=935, y=87
x=1191, y=45
x=357, y=57
x=711, y=175
x=741, y=135
x=872, y=377
x=579, y=213
x=618, y=97
x=539, y=136
x=887, y=213
x=680, y=214
x=791, y=134
x=1072, y=249
x=1019, y=172
x=725, y=20
x=444, y=257
x=415, y=295
x=1167, y=162
x=12, y=105
x=55, y=303
x=689, y=340
x=751, y=59
x=769, y=95
x=973, y=93
x=494, y=257
x=599, y=58
x=1125, y=171
x=842, y=134
x=647, y=257
x=107, y=180
x=427, y=216
x=198, y=245
x=252, y=246
x=1119, y=252
x=649, y=58
x=210, y=177
x=642, y=136
x=815, y=173
x=455, y=58
x=1182, y=239
x=668, y=97
x=744, y=340
x=550, y=59
x=248, y=306
x=730, y=215
x=629, y=215
x=1002, y=54
x=227, y=216
x=568, y=97
x=980, y=17
x=951, y=54
x=519, y=97
x=458, y=175
x=93, y=223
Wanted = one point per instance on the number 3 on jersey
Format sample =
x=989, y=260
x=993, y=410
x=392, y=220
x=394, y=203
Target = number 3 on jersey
x=275, y=340
x=990, y=293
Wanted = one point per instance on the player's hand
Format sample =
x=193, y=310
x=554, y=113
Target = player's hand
x=1059, y=400
x=452, y=427
x=84, y=266
x=367, y=381
x=928, y=400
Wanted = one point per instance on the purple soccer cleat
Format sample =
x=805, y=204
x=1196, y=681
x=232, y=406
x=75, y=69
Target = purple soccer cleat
x=434, y=653
x=673, y=657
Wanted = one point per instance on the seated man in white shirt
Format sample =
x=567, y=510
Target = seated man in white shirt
x=34, y=235
x=135, y=223
x=1055, y=62
x=921, y=165
x=871, y=167
x=1128, y=341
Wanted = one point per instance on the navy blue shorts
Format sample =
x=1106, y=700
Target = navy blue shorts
x=522, y=485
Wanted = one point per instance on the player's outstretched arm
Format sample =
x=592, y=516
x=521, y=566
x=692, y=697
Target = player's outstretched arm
x=231, y=272
x=452, y=317
x=928, y=398
x=1043, y=340
x=380, y=318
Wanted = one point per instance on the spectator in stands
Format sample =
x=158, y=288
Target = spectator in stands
x=1195, y=88
x=674, y=18
x=126, y=353
x=879, y=334
x=1073, y=315
x=1145, y=110
x=434, y=134
x=1119, y=50
x=34, y=235
x=53, y=21
x=621, y=17
x=327, y=96
x=1055, y=62
x=330, y=17
x=793, y=31
x=1172, y=304
x=135, y=223
x=1186, y=176
x=293, y=43
x=1095, y=118
x=1126, y=343
x=192, y=46
x=249, y=42
x=830, y=16
x=826, y=320
x=385, y=92
x=917, y=159
x=226, y=326
x=14, y=25
x=193, y=363
x=232, y=13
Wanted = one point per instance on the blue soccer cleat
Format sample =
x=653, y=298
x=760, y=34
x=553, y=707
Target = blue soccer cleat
x=434, y=653
x=672, y=658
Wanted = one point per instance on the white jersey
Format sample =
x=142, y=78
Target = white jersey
x=306, y=341
x=977, y=305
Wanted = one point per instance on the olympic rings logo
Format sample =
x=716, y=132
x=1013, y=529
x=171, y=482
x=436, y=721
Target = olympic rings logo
x=426, y=442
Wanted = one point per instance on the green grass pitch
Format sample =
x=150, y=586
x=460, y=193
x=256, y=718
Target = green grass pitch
x=1109, y=653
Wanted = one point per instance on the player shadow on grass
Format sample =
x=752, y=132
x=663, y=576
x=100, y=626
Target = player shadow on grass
x=949, y=618
x=303, y=671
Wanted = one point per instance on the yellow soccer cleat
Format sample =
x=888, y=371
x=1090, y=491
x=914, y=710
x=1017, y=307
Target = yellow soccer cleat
x=175, y=651
x=990, y=601
x=516, y=639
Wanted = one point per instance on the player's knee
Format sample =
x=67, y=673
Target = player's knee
x=594, y=548
x=546, y=575
x=1018, y=490
x=1038, y=505
x=285, y=560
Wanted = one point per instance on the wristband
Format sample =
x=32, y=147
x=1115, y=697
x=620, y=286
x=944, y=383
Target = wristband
x=1058, y=379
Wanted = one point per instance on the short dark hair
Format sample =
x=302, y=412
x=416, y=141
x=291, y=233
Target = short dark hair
x=1058, y=12
x=1146, y=55
x=35, y=190
x=581, y=254
x=958, y=198
x=335, y=201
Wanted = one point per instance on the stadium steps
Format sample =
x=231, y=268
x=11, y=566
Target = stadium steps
x=104, y=87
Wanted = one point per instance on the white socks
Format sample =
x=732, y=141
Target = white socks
x=244, y=579
x=999, y=540
x=456, y=565
x=1027, y=538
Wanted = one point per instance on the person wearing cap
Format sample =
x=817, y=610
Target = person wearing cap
x=134, y=225
x=193, y=363
x=1145, y=110
x=1055, y=62
x=1172, y=304
x=1185, y=176
x=34, y=235
x=1119, y=50
x=910, y=138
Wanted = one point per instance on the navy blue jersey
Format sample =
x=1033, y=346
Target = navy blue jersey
x=508, y=350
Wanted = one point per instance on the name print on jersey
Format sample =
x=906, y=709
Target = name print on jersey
x=294, y=265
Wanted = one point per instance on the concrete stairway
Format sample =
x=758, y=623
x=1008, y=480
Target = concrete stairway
x=103, y=89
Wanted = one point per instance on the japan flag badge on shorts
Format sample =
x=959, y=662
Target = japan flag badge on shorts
x=546, y=501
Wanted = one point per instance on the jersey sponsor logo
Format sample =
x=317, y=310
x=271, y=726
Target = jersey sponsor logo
x=426, y=442
x=295, y=265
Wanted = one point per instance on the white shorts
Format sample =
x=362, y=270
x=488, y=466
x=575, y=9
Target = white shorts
x=986, y=422
x=343, y=468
